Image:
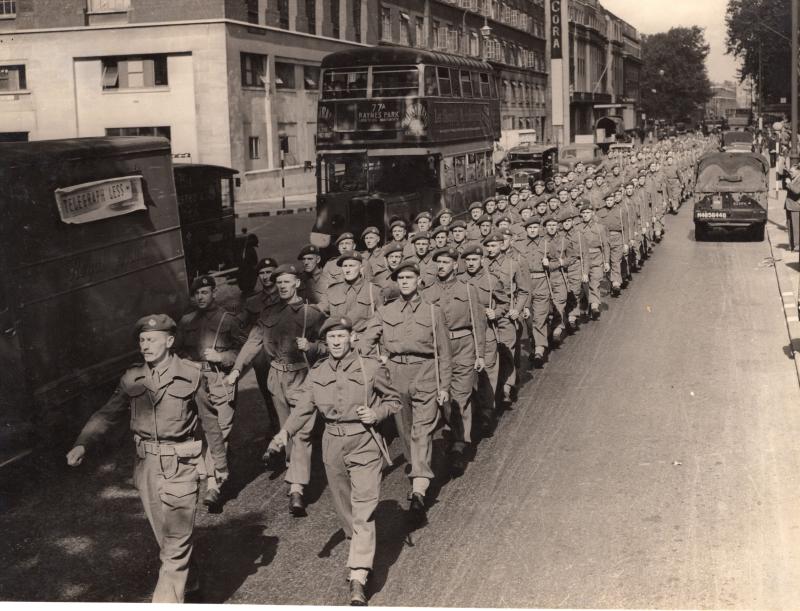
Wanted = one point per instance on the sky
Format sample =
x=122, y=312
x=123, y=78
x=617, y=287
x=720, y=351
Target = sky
x=653, y=16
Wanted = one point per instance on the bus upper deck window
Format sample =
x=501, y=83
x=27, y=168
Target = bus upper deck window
x=431, y=86
x=338, y=84
x=485, y=90
x=444, y=82
x=466, y=84
x=395, y=81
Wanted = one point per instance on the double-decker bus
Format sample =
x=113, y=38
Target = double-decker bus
x=400, y=131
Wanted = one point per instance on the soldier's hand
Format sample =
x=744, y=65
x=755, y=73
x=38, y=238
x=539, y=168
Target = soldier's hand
x=545, y=262
x=366, y=414
x=480, y=364
x=212, y=356
x=75, y=456
x=231, y=378
x=606, y=267
x=221, y=476
x=585, y=278
x=302, y=344
x=560, y=262
x=278, y=442
x=526, y=313
x=513, y=314
x=384, y=358
x=443, y=397
x=490, y=314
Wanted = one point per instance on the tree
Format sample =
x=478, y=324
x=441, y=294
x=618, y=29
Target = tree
x=674, y=80
x=759, y=34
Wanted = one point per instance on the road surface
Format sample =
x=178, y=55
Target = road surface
x=653, y=463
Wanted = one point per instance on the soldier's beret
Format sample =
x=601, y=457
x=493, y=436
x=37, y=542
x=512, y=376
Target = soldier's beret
x=489, y=199
x=584, y=204
x=472, y=249
x=495, y=236
x=566, y=215
x=420, y=235
x=310, y=249
x=502, y=197
x=155, y=322
x=202, y=281
x=574, y=188
x=405, y=266
x=422, y=215
x=507, y=233
x=459, y=224
x=397, y=223
x=542, y=201
x=525, y=190
x=608, y=194
x=446, y=251
x=564, y=191
x=437, y=230
x=441, y=213
x=265, y=263
x=348, y=254
x=553, y=198
x=370, y=230
x=336, y=323
x=505, y=218
x=588, y=178
x=550, y=181
x=345, y=236
x=525, y=206
x=393, y=247
x=485, y=218
x=539, y=182
x=534, y=220
x=286, y=268
x=549, y=219
x=476, y=206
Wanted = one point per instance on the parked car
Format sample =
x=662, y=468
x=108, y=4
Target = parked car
x=570, y=154
x=737, y=141
x=527, y=163
x=731, y=192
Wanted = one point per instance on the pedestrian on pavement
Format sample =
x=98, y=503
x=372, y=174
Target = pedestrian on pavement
x=157, y=397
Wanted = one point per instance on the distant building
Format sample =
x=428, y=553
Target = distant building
x=723, y=100
x=515, y=46
x=229, y=82
x=605, y=67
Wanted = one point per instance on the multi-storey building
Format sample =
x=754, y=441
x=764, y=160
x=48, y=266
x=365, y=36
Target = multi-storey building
x=513, y=41
x=605, y=64
x=229, y=82
x=723, y=99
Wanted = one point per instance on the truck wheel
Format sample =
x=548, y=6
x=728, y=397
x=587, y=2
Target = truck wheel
x=700, y=232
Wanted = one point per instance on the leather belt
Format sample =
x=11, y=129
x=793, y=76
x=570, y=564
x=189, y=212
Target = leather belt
x=459, y=333
x=410, y=359
x=538, y=275
x=593, y=250
x=183, y=449
x=615, y=231
x=343, y=429
x=286, y=367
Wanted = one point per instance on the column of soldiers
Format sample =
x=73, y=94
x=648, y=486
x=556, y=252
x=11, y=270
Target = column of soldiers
x=424, y=331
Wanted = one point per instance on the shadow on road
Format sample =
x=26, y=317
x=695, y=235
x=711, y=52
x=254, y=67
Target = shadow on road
x=394, y=533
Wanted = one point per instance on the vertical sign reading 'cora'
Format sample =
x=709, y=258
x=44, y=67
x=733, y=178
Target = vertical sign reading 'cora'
x=555, y=29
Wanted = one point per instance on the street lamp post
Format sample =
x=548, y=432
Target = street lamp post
x=486, y=32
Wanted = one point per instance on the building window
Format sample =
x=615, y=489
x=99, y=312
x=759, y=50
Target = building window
x=437, y=35
x=98, y=6
x=12, y=78
x=405, y=29
x=284, y=76
x=335, y=18
x=283, y=14
x=386, y=24
x=254, y=70
x=311, y=15
x=8, y=7
x=135, y=72
x=357, y=19
x=419, y=32
x=254, y=146
x=163, y=131
x=474, y=45
x=311, y=78
x=12, y=137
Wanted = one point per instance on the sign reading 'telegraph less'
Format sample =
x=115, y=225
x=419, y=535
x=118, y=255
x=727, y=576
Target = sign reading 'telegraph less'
x=555, y=29
x=101, y=199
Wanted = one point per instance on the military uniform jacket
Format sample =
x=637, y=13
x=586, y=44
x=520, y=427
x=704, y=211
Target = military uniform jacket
x=212, y=328
x=255, y=305
x=554, y=248
x=633, y=220
x=336, y=388
x=403, y=242
x=460, y=308
x=312, y=286
x=533, y=250
x=371, y=262
x=515, y=283
x=406, y=327
x=473, y=232
x=488, y=291
x=427, y=268
x=569, y=247
x=331, y=273
x=358, y=301
x=611, y=218
x=161, y=407
x=277, y=331
x=594, y=236
x=389, y=289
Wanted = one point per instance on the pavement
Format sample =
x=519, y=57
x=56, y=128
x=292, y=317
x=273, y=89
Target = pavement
x=274, y=206
x=653, y=463
x=787, y=270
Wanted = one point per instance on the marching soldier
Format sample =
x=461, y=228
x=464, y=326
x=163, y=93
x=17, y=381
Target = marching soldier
x=440, y=237
x=595, y=261
x=611, y=217
x=421, y=242
x=311, y=279
x=332, y=273
x=211, y=337
x=571, y=267
x=383, y=278
x=466, y=328
x=533, y=250
x=288, y=332
x=372, y=256
x=157, y=398
x=416, y=349
x=399, y=233
x=351, y=393
x=443, y=218
x=475, y=212
x=553, y=264
x=423, y=225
